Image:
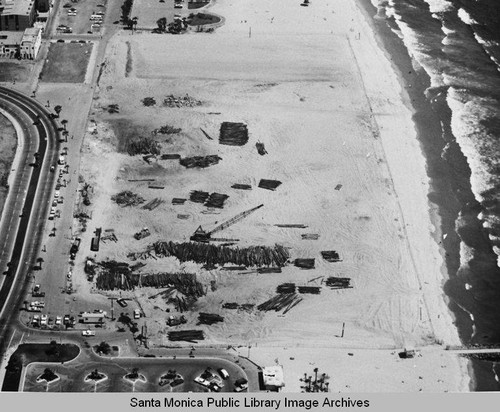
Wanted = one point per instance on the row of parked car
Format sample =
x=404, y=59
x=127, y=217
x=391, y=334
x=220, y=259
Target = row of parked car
x=45, y=321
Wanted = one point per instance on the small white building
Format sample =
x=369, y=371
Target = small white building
x=31, y=42
x=93, y=317
x=273, y=377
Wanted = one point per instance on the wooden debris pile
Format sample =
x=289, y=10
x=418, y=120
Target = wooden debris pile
x=170, y=156
x=241, y=186
x=209, y=254
x=144, y=146
x=286, y=288
x=199, y=161
x=186, y=335
x=148, y=101
x=178, y=201
x=141, y=255
x=283, y=301
x=198, y=196
x=116, y=275
x=111, y=237
x=209, y=318
x=330, y=256
x=269, y=184
x=153, y=204
x=235, y=305
x=315, y=290
x=304, y=263
x=310, y=236
x=113, y=108
x=127, y=198
x=167, y=129
x=338, y=283
x=260, y=148
x=269, y=270
x=216, y=200
x=185, y=101
x=233, y=134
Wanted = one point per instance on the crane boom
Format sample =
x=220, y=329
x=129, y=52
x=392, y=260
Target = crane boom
x=201, y=236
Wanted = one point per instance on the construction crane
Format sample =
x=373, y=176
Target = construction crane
x=201, y=236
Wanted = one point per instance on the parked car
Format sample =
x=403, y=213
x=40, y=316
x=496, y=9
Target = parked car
x=223, y=373
x=88, y=332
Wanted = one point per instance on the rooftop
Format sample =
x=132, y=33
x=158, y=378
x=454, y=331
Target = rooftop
x=30, y=34
x=273, y=375
x=16, y=7
x=10, y=37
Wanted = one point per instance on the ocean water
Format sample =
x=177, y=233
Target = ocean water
x=456, y=45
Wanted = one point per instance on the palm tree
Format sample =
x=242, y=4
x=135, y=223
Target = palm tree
x=58, y=109
x=64, y=122
x=134, y=22
x=65, y=134
x=40, y=261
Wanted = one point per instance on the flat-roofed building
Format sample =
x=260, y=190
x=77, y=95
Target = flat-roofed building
x=31, y=42
x=10, y=42
x=93, y=317
x=17, y=15
x=273, y=377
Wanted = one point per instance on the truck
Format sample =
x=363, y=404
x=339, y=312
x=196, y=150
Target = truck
x=74, y=248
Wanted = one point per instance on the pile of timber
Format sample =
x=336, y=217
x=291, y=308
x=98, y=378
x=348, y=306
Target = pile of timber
x=144, y=146
x=304, y=263
x=284, y=301
x=182, y=216
x=235, y=305
x=209, y=254
x=269, y=184
x=269, y=270
x=184, y=101
x=121, y=277
x=230, y=305
x=178, y=201
x=127, y=198
x=172, y=156
x=111, y=237
x=198, y=196
x=187, y=335
x=286, y=288
x=181, y=304
x=338, y=283
x=153, y=204
x=241, y=186
x=234, y=268
x=310, y=236
x=141, y=255
x=216, y=200
x=209, y=318
x=167, y=129
x=260, y=148
x=200, y=161
x=309, y=289
x=331, y=256
x=233, y=134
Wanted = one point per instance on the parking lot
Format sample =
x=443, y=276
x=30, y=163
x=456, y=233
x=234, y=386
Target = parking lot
x=77, y=16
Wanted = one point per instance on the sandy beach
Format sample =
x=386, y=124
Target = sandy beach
x=314, y=86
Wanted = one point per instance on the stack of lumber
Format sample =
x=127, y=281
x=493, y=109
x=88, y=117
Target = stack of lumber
x=187, y=335
x=338, y=283
x=269, y=270
x=234, y=268
x=120, y=276
x=141, y=255
x=209, y=318
x=153, y=204
x=198, y=196
x=247, y=306
x=269, y=184
x=230, y=305
x=143, y=145
x=178, y=201
x=280, y=302
x=181, y=304
x=241, y=186
x=260, y=148
x=309, y=289
x=167, y=129
x=200, y=161
x=209, y=254
x=182, y=216
x=233, y=134
x=172, y=156
x=310, y=236
x=127, y=198
x=177, y=101
x=286, y=288
x=216, y=200
x=304, y=263
x=330, y=256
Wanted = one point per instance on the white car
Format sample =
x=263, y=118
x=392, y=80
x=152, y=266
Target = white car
x=88, y=332
x=201, y=381
x=57, y=193
x=58, y=320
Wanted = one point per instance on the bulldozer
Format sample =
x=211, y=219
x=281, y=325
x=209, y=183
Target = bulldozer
x=201, y=235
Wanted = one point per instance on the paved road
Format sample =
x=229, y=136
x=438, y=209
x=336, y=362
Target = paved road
x=26, y=209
